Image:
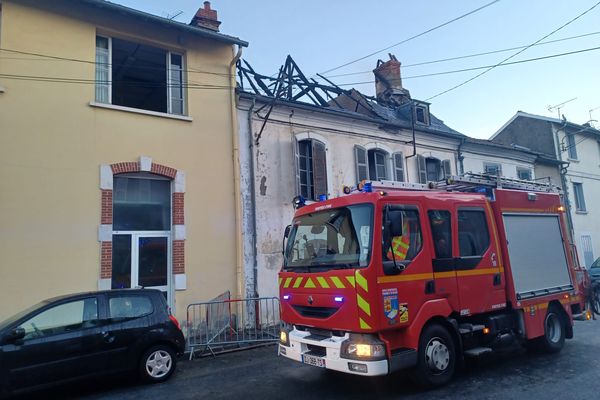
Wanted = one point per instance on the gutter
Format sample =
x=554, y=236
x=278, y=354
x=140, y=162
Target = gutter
x=239, y=244
x=253, y=203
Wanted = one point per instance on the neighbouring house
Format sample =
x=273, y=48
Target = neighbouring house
x=113, y=124
x=572, y=154
x=298, y=137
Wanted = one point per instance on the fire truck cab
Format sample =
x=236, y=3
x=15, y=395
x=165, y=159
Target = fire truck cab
x=402, y=275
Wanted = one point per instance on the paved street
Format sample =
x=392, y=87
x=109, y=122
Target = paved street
x=259, y=374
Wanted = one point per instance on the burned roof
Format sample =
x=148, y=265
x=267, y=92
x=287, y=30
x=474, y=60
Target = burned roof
x=292, y=87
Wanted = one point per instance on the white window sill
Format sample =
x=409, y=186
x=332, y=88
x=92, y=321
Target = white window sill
x=140, y=111
x=581, y=212
x=574, y=160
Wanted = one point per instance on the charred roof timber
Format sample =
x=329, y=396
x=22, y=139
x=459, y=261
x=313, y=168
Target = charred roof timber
x=395, y=110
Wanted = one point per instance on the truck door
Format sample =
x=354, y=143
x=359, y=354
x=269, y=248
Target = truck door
x=478, y=271
x=440, y=222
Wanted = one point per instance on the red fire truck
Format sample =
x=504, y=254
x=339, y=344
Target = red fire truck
x=401, y=275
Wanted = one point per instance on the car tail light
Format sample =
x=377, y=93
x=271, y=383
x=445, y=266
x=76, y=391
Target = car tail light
x=174, y=320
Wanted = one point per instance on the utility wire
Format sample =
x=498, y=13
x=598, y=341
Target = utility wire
x=411, y=38
x=483, y=67
x=47, y=57
x=469, y=55
x=189, y=85
x=513, y=55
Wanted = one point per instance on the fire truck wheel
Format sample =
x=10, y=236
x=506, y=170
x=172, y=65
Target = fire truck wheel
x=437, y=357
x=554, y=331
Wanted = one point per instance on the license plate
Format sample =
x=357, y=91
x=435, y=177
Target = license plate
x=312, y=360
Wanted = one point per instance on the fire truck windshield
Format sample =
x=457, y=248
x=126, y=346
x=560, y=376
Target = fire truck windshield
x=331, y=239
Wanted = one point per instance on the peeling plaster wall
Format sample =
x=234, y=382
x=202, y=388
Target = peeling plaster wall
x=275, y=173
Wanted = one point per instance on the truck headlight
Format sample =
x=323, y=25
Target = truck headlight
x=284, y=335
x=363, y=347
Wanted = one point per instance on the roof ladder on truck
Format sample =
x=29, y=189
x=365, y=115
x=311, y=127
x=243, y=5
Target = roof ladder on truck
x=471, y=182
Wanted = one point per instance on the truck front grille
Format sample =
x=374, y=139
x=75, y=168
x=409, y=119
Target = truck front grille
x=315, y=312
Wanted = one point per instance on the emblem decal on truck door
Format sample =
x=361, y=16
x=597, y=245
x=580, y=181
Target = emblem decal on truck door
x=393, y=310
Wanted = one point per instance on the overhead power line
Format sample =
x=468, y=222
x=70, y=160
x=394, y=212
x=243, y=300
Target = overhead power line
x=47, y=57
x=515, y=54
x=469, y=55
x=411, y=38
x=483, y=67
x=36, y=78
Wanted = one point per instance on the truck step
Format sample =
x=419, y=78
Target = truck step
x=477, y=351
x=469, y=328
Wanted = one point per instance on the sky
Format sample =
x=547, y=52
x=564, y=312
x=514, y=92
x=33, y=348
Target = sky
x=323, y=35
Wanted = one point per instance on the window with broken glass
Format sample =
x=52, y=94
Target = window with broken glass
x=139, y=76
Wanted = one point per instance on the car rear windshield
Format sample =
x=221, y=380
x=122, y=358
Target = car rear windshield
x=331, y=239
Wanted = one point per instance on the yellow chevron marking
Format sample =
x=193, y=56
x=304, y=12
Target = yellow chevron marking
x=323, y=282
x=363, y=304
x=405, y=245
x=351, y=280
x=297, y=283
x=363, y=324
x=362, y=282
x=280, y=279
x=337, y=282
x=287, y=282
x=309, y=284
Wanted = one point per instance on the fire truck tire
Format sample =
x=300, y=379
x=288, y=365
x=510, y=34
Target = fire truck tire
x=554, y=331
x=436, y=357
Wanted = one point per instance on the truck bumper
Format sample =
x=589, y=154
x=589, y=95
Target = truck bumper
x=326, y=353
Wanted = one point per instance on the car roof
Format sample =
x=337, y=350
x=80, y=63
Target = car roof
x=100, y=292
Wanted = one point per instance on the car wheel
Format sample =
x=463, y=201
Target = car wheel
x=436, y=357
x=157, y=364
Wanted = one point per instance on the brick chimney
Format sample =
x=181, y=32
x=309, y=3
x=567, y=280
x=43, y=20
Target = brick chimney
x=388, y=83
x=206, y=18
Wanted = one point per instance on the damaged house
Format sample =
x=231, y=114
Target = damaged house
x=299, y=137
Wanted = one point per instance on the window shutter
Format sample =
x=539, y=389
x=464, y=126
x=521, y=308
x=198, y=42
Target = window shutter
x=446, y=169
x=398, y=167
x=362, y=171
x=297, y=164
x=422, y=169
x=319, y=164
x=499, y=169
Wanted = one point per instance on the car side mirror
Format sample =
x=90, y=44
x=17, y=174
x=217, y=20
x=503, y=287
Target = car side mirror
x=286, y=234
x=14, y=335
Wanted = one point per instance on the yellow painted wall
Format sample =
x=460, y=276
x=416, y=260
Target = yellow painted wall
x=52, y=143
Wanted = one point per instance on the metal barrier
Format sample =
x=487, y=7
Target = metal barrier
x=230, y=323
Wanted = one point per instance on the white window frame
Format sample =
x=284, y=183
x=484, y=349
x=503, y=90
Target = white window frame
x=571, y=147
x=170, y=87
x=527, y=170
x=579, y=200
x=490, y=164
x=109, y=80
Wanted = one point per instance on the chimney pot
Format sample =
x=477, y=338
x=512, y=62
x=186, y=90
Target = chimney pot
x=206, y=18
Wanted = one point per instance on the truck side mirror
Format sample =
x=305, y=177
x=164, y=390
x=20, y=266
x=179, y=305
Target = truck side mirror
x=286, y=234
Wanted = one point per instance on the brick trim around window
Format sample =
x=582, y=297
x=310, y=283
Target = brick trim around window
x=145, y=164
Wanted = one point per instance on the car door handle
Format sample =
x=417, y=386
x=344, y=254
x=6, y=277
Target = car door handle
x=108, y=337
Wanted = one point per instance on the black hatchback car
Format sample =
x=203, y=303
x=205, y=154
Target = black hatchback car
x=88, y=334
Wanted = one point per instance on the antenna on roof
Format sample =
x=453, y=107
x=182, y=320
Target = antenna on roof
x=174, y=15
x=559, y=106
